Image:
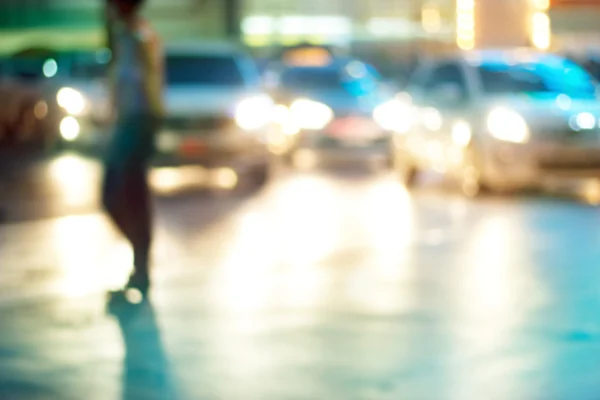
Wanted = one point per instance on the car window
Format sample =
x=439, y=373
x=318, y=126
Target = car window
x=538, y=77
x=418, y=77
x=27, y=68
x=427, y=80
x=4, y=67
x=203, y=70
x=444, y=74
x=311, y=78
x=250, y=71
x=89, y=70
x=356, y=78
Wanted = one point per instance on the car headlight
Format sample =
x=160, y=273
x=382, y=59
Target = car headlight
x=309, y=114
x=393, y=116
x=69, y=129
x=508, y=125
x=254, y=112
x=71, y=100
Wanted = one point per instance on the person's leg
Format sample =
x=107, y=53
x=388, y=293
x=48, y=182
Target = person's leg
x=114, y=198
x=139, y=210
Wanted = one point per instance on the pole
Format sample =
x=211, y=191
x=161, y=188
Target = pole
x=233, y=19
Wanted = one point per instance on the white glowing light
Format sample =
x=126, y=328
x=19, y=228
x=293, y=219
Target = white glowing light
x=564, y=102
x=393, y=116
x=461, y=133
x=507, y=125
x=310, y=114
x=69, y=129
x=586, y=120
x=71, y=100
x=254, y=113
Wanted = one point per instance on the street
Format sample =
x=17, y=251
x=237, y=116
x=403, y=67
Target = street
x=332, y=282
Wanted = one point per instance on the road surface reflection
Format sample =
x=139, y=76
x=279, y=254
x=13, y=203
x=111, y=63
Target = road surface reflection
x=327, y=285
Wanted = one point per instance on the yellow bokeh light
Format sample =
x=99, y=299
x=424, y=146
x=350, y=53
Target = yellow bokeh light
x=431, y=19
x=540, y=30
x=541, y=5
x=465, y=24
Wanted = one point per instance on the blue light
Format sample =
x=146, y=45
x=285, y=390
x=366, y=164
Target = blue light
x=50, y=68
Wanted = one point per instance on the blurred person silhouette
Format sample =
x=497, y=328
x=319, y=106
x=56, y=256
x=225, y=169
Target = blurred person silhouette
x=136, y=79
x=146, y=371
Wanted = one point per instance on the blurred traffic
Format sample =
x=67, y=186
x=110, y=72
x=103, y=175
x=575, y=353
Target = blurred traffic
x=354, y=199
x=500, y=120
x=492, y=120
x=324, y=101
x=53, y=98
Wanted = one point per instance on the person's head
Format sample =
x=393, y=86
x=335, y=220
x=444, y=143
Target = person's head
x=126, y=8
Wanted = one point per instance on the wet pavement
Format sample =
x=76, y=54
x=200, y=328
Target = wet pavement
x=328, y=284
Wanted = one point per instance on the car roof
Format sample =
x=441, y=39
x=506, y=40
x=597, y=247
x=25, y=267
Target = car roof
x=205, y=48
x=336, y=64
x=496, y=56
x=511, y=55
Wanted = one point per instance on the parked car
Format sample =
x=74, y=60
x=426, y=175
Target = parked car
x=500, y=120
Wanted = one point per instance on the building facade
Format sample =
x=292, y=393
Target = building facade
x=263, y=23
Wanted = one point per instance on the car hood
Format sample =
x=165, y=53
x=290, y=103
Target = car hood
x=190, y=101
x=547, y=114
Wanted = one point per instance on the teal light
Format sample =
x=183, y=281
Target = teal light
x=50, y=68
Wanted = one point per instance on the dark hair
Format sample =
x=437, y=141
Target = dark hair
x=133, y=3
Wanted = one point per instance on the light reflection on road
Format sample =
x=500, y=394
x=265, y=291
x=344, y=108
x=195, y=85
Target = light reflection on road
x=75, y=178
x=89, y=254
x=351, y=276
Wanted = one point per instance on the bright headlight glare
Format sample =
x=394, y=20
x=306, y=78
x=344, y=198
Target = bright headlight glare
x=69, y=129
x=71, y=100
x=309, y=114
x=254, y=112
x=507, y=125
x=392, y=116
x=461, y=133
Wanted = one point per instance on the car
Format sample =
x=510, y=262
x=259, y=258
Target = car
x=330, y=103
x=499, y=120
x=29, y=115
x=590, y=60
x=217, y=114
x=81, y=91
x=52, y=99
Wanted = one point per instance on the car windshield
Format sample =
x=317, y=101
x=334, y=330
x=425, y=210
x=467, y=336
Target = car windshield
x=203, y=70
x=26, y=68
x=311, y=78
x=84, y=65
x=553, y=76
x=89, y=70
x=355, y=78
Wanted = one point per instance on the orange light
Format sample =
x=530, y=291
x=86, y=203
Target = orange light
x=308, y=57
